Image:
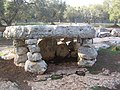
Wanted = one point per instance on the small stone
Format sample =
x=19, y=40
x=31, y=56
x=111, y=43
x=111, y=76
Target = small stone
x=62, y=50
x=36, y=67
x=116, y=32
x=33, y=48
x=104, y=34
x=19, y=43
x=20, y=64
x=87, y=41
x=87, y=52
x=86, y=63
x=80, y=73
x=31, y=41
x=86, y=56
x=34, y=56
x=21, y=50
x=9, y=56
x=20, y=59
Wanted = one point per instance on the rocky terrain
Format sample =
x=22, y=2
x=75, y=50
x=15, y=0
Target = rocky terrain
x=64, y=74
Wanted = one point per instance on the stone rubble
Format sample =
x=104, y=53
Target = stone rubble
x=8, y=85
x=21, y=52
x=76, y=82
x=86, y=56
x=115, y=32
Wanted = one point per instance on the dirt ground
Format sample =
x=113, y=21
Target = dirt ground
x=8, y=71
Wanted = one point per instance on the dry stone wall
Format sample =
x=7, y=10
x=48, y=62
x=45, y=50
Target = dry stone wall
x=31, y=53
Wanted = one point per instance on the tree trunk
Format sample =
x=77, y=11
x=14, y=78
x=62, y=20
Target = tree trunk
x=1, y=24
x=115, y=22
x=9, y=23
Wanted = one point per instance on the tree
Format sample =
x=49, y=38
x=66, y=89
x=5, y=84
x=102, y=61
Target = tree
x=70, y=14
x=114, y=11
x=9, y=10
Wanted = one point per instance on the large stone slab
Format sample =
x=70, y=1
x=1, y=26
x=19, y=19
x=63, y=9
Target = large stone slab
x=39, y=31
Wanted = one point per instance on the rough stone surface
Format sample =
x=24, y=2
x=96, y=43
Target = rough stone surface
x=48, y=47
x=8, y=85
x=87, y=41
x=86, y=63
x=62, y=50
x=9, y=56
x=34, y=56
x=87, y=52
x=116, y=32
x=72, y=46
x=36, y=67
x=103, y=30
x=33, y=48
x=21, y=50
x=101, y=46
x=107, y=40
x=31, y=41
x=86, y=56
x=20, y=59
x=76, y=82
x=18, y=43
x=104, y=34
x=37, y=31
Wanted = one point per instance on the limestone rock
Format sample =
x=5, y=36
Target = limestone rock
x=104, y=34
x=8, y=85
x=21, y=50
x=31, y=41
x=72, y=46
x=73, y=54
x=86, y=63
x=33, y=48
x=115, y=32
x=36, y=67
x=101, y=46
x=106, y=42
x=87, y=52
x=86, y=56
x=20, y=59
x=87, y=41
x=103, y=30
x=34, y=56
x=9, y=56
x=62, y=50
x=18, y=43
x=48, y=48
x=39, y=31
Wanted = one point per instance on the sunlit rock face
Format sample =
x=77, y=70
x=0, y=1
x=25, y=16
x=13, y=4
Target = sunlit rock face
x=36, y=31
x=34, y=44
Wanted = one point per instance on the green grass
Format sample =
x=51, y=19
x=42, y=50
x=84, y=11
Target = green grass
x=106, y=25
x=112, y=50
x=2, y=54
x=33, y=23
x=99, y=88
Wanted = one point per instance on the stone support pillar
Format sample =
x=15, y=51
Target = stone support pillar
x=20, y=51
x=86, y=53
x=34, y=63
